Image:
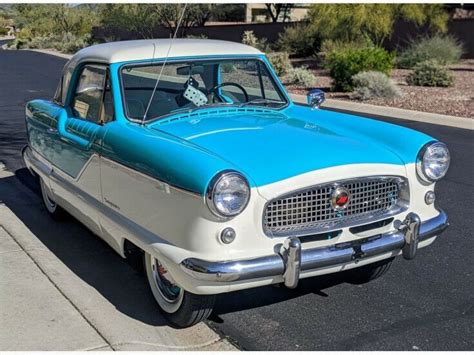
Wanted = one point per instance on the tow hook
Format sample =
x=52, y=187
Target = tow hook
x=410, y=227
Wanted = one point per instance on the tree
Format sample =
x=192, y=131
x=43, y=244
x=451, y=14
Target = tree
x=195, y=15
x=54, y=19
x=275, y=10
x=355, y=22
x=136, y=18
x=228, y=12
x=141, y=19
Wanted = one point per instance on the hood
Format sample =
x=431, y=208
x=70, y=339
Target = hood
x=268, y=146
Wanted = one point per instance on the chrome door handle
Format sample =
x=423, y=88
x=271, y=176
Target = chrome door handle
x=52, y=130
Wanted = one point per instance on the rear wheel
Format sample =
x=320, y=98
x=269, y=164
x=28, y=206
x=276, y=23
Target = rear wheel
x=54, y=210
x=181, y=308
x=366, y=273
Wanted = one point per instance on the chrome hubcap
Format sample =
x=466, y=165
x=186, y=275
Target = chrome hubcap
x=165, y=283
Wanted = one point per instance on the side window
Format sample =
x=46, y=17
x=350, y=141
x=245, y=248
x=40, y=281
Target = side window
x=87, y=100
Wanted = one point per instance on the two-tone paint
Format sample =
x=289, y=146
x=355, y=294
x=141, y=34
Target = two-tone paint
x=146, y=183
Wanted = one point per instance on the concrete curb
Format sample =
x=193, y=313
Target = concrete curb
x=50, y=52
x=361, y=109
x=70, y=313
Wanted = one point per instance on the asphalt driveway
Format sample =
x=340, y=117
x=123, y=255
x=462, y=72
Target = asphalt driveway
x=426, y=304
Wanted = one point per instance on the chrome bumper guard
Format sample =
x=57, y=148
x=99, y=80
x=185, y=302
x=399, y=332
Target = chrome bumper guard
x=292, y=259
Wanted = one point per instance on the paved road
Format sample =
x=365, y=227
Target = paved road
x=425, y=304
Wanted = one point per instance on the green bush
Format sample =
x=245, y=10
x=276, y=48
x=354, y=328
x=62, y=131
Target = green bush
x=3, y=31
x=251, y=40
x=346, y=62
x=299, y=40
x=430, y=73
x=280, y=61
x=373, y=84
x=300, y=76
x=444, y=49
x=330, y=45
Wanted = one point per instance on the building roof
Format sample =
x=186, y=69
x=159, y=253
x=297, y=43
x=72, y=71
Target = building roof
x=114, y=52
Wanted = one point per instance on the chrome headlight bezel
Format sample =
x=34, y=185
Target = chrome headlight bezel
x=425, y=153
x=211, y=193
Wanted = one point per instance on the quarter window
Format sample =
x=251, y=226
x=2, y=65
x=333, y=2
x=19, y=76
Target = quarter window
x=89, y=94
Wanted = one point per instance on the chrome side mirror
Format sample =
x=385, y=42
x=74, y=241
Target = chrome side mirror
x=315, y=98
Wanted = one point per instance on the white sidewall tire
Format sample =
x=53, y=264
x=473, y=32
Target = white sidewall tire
x=165, y=305
x=50, y=205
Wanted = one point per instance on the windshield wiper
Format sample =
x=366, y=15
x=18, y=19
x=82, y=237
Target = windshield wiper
x=261, y=102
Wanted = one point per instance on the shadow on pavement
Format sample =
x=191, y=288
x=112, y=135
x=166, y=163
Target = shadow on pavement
x=121, y=282
x=267, y=295
x=82, y=252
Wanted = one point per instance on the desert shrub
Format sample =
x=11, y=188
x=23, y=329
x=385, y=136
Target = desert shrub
x=330, y=45
x=299, y=40
x=41, y=42
x=346, y=62
x=17, y=43
x=444, y=49
x=372, y=84
x=67, y=43
x=71, y=43
x=300, y=76
x=430, y=73
x=280, y=61
x=251, y=40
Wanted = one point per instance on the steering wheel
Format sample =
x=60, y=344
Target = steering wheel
x=214, y=89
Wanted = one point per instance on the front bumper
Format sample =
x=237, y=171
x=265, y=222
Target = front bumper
x=292, y=259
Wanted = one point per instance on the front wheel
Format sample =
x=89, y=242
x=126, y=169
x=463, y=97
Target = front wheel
x=181, y=308
x=366, y=273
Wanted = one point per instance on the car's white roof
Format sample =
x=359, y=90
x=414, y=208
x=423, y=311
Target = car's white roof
x=124, y=51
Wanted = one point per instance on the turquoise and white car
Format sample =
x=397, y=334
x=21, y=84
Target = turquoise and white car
x=194, y=155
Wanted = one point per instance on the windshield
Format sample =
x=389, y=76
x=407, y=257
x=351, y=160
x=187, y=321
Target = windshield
x=194, y=84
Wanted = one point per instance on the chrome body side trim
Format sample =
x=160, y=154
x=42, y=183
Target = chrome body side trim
x=278, y=265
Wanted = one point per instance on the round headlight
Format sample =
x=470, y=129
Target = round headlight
x=433, y=161
x=228, y=194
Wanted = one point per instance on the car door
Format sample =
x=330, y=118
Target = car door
x=81, y=127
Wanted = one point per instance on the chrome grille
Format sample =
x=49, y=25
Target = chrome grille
x=310, y=210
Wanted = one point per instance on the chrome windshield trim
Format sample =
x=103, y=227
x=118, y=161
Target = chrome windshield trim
x=280, y=89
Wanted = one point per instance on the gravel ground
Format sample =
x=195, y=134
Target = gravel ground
x=457, y=100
